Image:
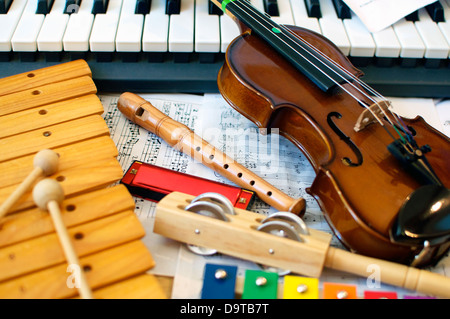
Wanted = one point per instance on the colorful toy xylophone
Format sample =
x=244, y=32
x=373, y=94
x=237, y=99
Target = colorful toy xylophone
x=56, y=108
x=222, y=282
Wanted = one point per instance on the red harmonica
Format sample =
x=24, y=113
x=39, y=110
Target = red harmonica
x=153, y=183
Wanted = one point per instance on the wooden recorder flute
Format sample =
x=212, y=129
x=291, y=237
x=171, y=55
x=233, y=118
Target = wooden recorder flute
x=185, y=140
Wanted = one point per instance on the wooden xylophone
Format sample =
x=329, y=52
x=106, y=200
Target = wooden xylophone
x=57, y=108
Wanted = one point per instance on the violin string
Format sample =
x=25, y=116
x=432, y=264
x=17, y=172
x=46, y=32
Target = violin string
x=381, y=98
x=249, y=7
x=362, y=83
x=320, y=70
x=255, y=11
x=338, y=84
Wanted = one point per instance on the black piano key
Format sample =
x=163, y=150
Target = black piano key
x=436, y=11
x=156, y=57
x=207, y=57
x=77, y=55
x=44, y=6
x=414, y=16
x=181, y=57
x=409, y=62
x=99, y=6
x=5, y=56
x=173, y=6
x=342, y=10
x=433, y=63
x=72, y=6
x=129, y=57
x=384, y=62
x=53, y=56
x=103, y=56
x=313, y=8
x=4, y=6
x=213, y=9
x=142, y=7
x=271, y=8
x=27, y=56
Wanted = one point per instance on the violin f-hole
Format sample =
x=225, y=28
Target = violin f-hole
x=347, y=161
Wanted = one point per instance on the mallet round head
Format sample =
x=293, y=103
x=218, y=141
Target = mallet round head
x=47, y=160
x=47, y=190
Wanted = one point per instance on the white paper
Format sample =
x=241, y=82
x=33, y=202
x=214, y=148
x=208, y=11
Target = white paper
x=413, y=107
x=379, y=14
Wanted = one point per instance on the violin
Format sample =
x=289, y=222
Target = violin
x=381, y=180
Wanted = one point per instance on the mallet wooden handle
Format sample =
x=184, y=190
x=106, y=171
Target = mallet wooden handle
x=45, y=163
x=389, y=272
x=182, y=138
x=48, y=195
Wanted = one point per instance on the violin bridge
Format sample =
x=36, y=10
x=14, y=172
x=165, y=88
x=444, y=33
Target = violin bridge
x=372, y=114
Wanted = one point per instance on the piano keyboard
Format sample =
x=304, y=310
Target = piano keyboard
x=179, y=45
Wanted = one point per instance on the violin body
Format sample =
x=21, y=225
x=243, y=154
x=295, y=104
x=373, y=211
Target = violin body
x=359, y=185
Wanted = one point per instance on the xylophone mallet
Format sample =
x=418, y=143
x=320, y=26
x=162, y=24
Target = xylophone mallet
x=45, y=163
x=48, y=195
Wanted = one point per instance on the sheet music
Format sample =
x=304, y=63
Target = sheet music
x=379, y=14
x=270, y=156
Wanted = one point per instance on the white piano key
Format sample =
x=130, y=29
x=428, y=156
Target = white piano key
x=361, y=41
x=207, y=32
x=445, y=26
x=229, y=30
x=78, y=30
x=436, y=47
x=8, y=23
x=386, y=43
x=181, y=28
x=156, y=28
x=285, y=11
x=301, y=17
x=104, y=29
x=50, y=37
x=411, y=43
x=129, y=30
x=332, y=27
x=27, y=30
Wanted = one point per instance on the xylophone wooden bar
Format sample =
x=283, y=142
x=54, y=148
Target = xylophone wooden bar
x=56, y=108
x=35, y=78
x=105, y=267
x=71, y=155
x=44, y=251
x=76, y=180
x=46, y=115
x=134, y=288
x=77, y=210
x=52, y=136
x=46, y=94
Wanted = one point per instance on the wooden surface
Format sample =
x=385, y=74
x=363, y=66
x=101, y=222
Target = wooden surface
x=57, y=109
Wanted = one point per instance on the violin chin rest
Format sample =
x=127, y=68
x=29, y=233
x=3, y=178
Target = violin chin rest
x=424, y=216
